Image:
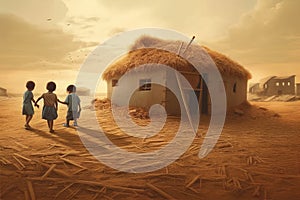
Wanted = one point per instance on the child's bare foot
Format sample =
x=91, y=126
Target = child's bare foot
x=51, y=131
x=27, y=127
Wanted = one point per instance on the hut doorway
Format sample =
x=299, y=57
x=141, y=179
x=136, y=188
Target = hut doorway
x=204, y=99
x=202, y=94
x=199, y=89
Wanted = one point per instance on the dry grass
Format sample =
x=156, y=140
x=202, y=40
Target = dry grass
x=153, y=50
x=256, y=157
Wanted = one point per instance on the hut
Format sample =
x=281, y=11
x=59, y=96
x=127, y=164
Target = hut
x=82, y=91
x=254, y=88
x=152, y=50
x=276, y=85
x=298, y=89
x=3, y=92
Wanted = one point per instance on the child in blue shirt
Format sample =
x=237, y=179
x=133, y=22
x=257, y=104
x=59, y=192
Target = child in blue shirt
x=74, y=108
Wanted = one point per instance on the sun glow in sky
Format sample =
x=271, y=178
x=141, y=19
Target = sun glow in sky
x=50, y=39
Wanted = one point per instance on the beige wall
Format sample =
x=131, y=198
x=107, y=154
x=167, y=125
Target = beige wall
x=138, y=98
x=109, y=87
x=232, y=98
x=146, y=99
x=238, y=97
x=172, y=104
x=160, y=95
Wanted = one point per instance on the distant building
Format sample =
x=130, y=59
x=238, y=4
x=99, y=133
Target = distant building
x=3, y=92
x=274, y=85
x=81, y=91
x=254, y=88
x=298, y=89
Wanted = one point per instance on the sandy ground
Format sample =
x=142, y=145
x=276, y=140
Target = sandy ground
x=257, y=157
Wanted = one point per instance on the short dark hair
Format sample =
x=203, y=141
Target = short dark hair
x=51, y=86
x=71, y=88
x=30, y=85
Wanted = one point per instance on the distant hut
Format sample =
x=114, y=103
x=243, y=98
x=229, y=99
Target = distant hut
x=81, y=91
x=254, y=88
x=3, y=92
x=234, y=76
x=276, y=85
x=298, y=89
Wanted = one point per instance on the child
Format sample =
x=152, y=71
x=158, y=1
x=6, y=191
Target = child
x=27, y=105
x=49, y=112
x=74, y=107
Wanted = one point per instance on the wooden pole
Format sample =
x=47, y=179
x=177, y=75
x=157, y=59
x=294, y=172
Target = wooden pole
x=179, y=49
x=185, y=103
x=188, y=45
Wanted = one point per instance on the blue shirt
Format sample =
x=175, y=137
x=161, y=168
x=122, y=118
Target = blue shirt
x=73, y=102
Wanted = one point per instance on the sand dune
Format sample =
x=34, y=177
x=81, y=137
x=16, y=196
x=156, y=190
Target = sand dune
x=256, y=157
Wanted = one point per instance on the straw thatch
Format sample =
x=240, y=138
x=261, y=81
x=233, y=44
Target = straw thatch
x=145, y=51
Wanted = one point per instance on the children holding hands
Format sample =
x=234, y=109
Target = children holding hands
x=50, y=107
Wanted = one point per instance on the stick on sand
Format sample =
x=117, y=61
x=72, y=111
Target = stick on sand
x=30, y=189
x=193, y=181
x=159, y=191
x=22, y=165
x=23, y=157
x=72, y=163
x=48, y=171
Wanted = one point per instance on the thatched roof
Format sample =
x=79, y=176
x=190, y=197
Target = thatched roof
x=144, y=51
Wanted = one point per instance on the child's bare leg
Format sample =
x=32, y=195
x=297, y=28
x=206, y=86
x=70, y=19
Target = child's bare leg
x=75, y=121
x=67, y=124
x=28, y=119
x=48, y=122
x=51, y=126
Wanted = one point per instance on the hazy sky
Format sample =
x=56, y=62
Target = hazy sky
x=49, y=39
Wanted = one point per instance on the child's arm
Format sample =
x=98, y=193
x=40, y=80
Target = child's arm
x=62, y=102
x=56, y=105
x=79, y=107
x=35, y=104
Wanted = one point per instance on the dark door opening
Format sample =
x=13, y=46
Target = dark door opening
x=203, y=95
x=204, y=100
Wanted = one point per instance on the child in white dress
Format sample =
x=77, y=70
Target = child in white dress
x=74, y=108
